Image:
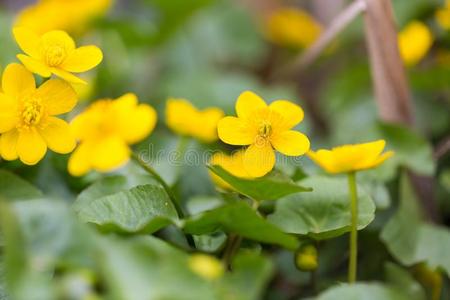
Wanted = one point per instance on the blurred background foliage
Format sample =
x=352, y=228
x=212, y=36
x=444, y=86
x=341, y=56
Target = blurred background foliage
x=209, y=51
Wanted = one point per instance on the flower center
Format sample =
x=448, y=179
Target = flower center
x=265, y=130
x=55, y=55
x=32, y=111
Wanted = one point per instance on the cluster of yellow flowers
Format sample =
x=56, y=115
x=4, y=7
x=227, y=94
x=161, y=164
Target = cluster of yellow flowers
x=28, y=122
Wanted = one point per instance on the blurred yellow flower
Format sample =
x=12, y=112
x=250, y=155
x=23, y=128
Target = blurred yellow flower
x=105, y=131
x=55, y=53
x=68, y=15
x=349, y=158
x=292, y=27
x=206, y=266
x=414, y=42
x=443, y=16
x=185, y=119
x=233, y=164
x=306, y=258
x=264, y=128
x=27, y=116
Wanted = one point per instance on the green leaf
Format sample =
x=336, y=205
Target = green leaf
x=323, y=213
x=251, y=273
x=144, y=267
x=363, y=291
x=145, y=208
x=12, y=187
x=411, y=149
x=241, y=219
x=269, y=187
x=109, y=186
x=410, y=240
x=404, y=281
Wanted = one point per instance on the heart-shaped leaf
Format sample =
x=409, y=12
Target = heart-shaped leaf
x=323, y=213
x=144, y=208
x=241, y=219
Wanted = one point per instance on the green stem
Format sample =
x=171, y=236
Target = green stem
x=168, y=190
x=353, y=227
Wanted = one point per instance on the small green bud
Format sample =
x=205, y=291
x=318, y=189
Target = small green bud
x=306, y=258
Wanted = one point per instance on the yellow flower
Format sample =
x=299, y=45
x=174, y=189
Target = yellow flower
x=68, y=15
x=414, y=42
x=105, y=131
x=292, y=27
x=443, y=16
x=264, y=128
x=233, y=164
x=349, y=158
x=185, y=119
x=27, y=116
x=206, y=266
x=55, y=53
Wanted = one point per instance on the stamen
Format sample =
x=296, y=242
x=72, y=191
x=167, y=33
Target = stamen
x=55, y=55
x=265, y=130
x=32, y=111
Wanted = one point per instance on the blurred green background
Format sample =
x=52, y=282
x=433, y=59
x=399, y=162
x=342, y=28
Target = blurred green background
x=209, y=51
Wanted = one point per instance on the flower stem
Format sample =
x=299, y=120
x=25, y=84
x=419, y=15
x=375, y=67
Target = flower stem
x=168, y=190
x=353, y=227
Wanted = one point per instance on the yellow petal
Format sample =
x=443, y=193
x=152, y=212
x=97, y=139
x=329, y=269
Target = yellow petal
x=83, y=59
x=57, y=38
x=57, y=135
x=324, y=159
x=80, y=160
x=292, y=143
x=67, y=76
x=247, y=103
x=134, y=122
x=109, y=153
x=382, y=158
x=34, y=65
x=8, y=145
x=259, y=159
x=235, y=131
x=27, y=40
x=17, y=80
x=30, y=146
x=140, y=125
x=9, y=113
x=368, y=153
x=58, y=96
x=180, y=116
x=207, y=124
x=291, y=113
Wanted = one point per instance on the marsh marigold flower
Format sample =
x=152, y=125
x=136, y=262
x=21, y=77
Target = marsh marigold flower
x=68, y=15
x=264, y=128
x=206, y=266
x=105, y=130
x=54, y=52
x=185, y=119
x=414, y=42
x=349, y=158
x=27, y=116
x=443, y=16
x=233, y=164
x=292, y=27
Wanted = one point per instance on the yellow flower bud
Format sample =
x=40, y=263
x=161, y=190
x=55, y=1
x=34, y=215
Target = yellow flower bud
x=206, y=266
x=306, y=258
